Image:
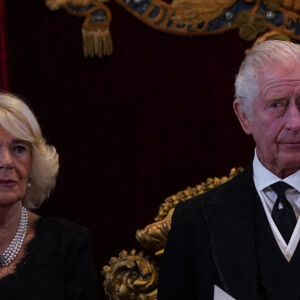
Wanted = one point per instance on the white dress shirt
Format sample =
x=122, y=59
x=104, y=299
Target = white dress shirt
x=263, y=178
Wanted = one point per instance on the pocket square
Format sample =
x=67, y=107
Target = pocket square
x=219, y=294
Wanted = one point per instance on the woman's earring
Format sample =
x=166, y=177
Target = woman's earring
x=28, y=183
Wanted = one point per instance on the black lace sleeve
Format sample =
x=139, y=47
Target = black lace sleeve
x=81, y=281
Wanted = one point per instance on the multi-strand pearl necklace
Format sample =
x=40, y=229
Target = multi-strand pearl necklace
x=7, y=257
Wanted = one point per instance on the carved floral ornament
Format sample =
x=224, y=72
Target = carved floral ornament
x=255, y=19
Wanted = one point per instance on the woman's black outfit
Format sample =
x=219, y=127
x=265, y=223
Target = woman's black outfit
x=58, y=265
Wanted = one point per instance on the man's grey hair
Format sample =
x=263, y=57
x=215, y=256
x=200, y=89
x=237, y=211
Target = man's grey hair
x=258, y=59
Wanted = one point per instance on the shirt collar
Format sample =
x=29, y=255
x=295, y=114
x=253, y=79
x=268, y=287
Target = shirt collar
x=264, y=178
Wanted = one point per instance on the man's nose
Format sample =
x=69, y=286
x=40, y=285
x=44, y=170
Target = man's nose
x=293, y=117
x=5, y=159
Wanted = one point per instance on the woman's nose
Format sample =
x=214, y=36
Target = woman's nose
x=5, y=159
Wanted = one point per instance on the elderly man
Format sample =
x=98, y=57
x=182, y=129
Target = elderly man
x=240, y=240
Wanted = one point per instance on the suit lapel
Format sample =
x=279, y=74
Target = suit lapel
x=229, y=216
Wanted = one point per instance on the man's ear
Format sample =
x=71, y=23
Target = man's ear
x=243, y=118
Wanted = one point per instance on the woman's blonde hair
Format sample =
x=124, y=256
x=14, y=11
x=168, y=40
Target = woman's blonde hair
x=17, y=118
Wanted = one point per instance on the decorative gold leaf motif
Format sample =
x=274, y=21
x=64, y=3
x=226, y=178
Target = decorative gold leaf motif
x=197, y=11
x=243, y=18
x=259, y=23
x=248, y=32
x=270, y=35
x=250, y=26
x=280, y=37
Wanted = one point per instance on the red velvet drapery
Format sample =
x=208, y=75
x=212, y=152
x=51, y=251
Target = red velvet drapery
x=3, y=52
x=131, y=129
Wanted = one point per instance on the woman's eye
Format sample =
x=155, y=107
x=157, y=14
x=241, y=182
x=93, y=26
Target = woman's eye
x=20, y=149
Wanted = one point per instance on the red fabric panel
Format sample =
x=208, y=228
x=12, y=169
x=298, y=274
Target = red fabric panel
x=3, y=53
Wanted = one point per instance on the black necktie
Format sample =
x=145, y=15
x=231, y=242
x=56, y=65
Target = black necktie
x=283, y=213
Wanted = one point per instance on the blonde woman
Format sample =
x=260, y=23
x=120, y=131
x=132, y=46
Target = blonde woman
x=40, y=258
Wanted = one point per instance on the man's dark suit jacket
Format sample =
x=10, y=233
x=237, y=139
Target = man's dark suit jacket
x=223, y=238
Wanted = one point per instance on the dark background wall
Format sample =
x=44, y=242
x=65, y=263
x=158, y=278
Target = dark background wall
x=132, y=128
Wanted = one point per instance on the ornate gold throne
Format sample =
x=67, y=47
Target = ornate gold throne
x=134, y=275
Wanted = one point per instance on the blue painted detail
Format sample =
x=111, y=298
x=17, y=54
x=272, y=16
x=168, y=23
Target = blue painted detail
x=295, y=26
x=98, y=16
x=154, y=13
x=79, y=9
x=180, y=25
x=190, y=28
x=169, y=24
x=223, y=22
x=140, y=6
x=278, y=19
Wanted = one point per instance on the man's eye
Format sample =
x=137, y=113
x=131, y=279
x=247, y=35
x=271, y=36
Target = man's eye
x=276, y=105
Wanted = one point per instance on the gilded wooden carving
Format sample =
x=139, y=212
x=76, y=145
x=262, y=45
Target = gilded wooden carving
x=134, y=276
x=131, y=276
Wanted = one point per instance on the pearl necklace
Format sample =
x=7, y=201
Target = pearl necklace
x=7, y=257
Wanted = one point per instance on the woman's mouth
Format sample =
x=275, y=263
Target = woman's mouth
x=7, y=183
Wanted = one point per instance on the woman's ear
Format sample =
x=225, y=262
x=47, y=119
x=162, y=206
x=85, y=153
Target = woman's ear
x=242, y=116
